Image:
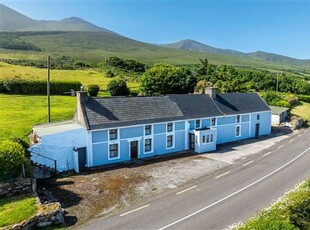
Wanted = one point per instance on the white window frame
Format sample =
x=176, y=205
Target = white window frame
x=172, y=130
x=173, y=140
x=152, y=130
x=197, y=127
x=238, y=121
x=117, y=135
x=118, y=151
x=152, y=145
x=239, y=131
x=215, y=124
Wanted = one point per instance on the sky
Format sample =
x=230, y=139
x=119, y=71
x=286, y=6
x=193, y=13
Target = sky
x=276, y=26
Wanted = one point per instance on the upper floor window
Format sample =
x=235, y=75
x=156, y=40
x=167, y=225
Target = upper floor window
x=197, y=124
x=238, y=119
x=169, y=127
x=148, y=130
x=213, y=121
x=257, y=117
x=113, y=134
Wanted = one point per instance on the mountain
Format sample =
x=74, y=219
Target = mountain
x=11, y=20
x=192, y=45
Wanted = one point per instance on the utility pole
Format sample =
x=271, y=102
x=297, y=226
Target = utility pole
x=82, y=46
x=105, y=56
x=48, y=90
x=277, y=86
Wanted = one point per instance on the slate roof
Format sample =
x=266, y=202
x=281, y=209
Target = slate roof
x=125, y=111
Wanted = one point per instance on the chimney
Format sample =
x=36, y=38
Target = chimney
x=81, y=101
x=211, y=91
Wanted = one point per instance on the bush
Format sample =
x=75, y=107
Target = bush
x=305, y=98
x=118, y=87
x=134, y=93
x=300, y=215
x=109, y=74
x=93, y=90
x=12, y=157
x=28, y=87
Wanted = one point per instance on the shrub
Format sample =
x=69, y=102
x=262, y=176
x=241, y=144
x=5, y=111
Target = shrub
x=93, y=90
x=109, y=74
x=118, y=87
x=134, y=93
x=305, y=98
x=18, y=86
x=300, y=215
x=12, y=157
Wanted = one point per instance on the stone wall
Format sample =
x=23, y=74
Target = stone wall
x=17, y=187
x=48, y=214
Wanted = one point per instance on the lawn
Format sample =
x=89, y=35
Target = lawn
x=19, y=113
x=86, y=77
x=302, y=109
x=16, y=209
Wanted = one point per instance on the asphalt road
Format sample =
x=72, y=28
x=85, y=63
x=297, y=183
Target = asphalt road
x=223, y=198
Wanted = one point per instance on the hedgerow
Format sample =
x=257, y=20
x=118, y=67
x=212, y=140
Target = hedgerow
x=29, y=87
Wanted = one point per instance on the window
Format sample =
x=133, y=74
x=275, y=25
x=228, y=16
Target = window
x=257, y=117
x=213, y=121
x=208, y=140
x=197, y=124
x=238, y=119
x=169, y=141
x=211, y=138
x=113, y=151
x=238, y=133
x=148, y=145
x=148, y=130
x=204, y=140
x=113, y=134
x=169, y=127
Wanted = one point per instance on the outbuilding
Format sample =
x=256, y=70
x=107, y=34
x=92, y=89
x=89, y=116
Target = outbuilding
x=279, y=114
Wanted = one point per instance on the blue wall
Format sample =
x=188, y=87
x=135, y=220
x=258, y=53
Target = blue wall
x=225, y=132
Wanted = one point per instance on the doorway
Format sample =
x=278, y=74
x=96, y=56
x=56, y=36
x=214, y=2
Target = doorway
x=257, y=130
x=192, y=141
x=134, y=149
x=82, y=158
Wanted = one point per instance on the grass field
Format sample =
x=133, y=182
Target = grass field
x=302, y=109
x=16, y=209
x=19, y=113
x=86, y=77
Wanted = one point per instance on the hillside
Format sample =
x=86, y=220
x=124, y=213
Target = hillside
x=11, y=20
x=192, y=45
x=22, y=38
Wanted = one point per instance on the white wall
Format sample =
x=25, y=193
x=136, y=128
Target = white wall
x=59, y=147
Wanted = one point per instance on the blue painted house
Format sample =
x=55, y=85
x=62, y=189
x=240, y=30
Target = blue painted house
x=118, y=129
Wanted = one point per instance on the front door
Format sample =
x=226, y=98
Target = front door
x=82, y=158
x=192, y=141
x=134, y=149
x=257, y=130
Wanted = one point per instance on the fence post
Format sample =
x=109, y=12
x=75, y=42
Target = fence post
x=55, y=167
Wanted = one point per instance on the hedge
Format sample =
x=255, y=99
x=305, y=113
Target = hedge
x=37, y=87
x=305, y=98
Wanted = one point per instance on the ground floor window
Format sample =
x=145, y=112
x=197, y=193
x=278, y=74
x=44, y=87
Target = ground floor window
x=113, y=151
x=169, y=141
x=148, y=145
x=207, y=138
x=238, y=133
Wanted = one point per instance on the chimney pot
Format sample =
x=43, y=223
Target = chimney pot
x=211, y=91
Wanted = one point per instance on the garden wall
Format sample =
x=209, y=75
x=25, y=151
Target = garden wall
x=17, y=187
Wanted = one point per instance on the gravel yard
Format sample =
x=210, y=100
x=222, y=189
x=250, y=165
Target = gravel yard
x=105, y=191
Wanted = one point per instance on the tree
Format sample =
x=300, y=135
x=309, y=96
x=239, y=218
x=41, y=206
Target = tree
x=167, y=79
x=93, y=90
x=118, y=87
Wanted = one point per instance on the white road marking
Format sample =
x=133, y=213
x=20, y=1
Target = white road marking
x=266, y=154
x=240, y=190
x=291, y=140
x=137, y=209
x=248, y=163
x=222, y=175
x=280, y=147
x=298, y=135
x=185, y=190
